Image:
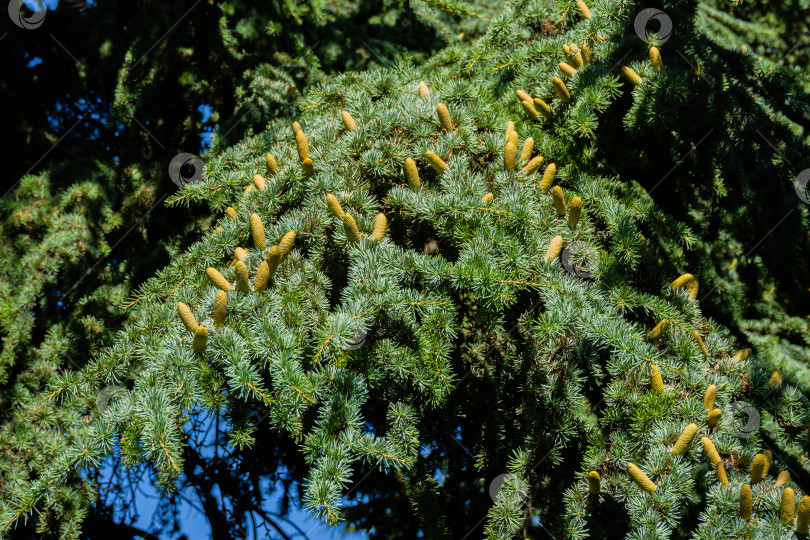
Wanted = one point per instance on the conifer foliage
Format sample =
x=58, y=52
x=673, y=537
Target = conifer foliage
x=419, y=291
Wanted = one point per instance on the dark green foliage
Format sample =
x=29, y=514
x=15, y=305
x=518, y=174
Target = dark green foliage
x=479, y=360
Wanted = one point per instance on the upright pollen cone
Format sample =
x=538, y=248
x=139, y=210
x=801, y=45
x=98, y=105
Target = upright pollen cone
x=220, y=308
x=656, y=381
x=187, y=317
x=685, y=440
x=217, y=279
x=554, y=248
x=242, y=279
x=412, y=174
x=257, y=231
x=380, y=224
x=272, y=166
x=200, y=339
x=286, y=244
x=444, y=117
x=435, y=161
x=334, y=205
x=348, y=121
x=641, y=479
x=424, y=91
x=594, y=482
x=561, y=89
x=655, y=58
x=350, y=227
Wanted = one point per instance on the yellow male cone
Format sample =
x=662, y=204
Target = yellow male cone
x=272, y=166
x=509, y=155
x=713, y=417
x=711, y=395
x=530, y=110
x=348, y=121
x=528, y=148
x=350, y=227
x=554, y=248
x=262, y=277
x=548, y=177
x=711, y=451
x=721, y=473
x=558, y=197
x=286, y=244
x=380, y=224
x=741, y=355
x=187, y=317
x=220, y=308
x=686, y=280
x=259, y=182
x=631, y=75
x=200, y=339
x=641, y=479
x=444, y=117
x=594, y=483
x=217, y=279
x=746, y=502
x=309, y=167
x=583, y=8
x=273, y=260
x=776, y=378
x=655, y=57
x=533, y=165
x=301, y=144
x=567, y=69
x=699, y=341
x=782, y=478
x=684, y=441
x=803, y=521
x=435, y=161
x=768, y=460
x=574, y=211
x=242, y=279
x=542, y=107
x=656, y=381
x=424, y=91
x=523, y=96
x=412, y=174
x=787, y=507
x=660, y=329
x=757, y=468
x=561, y=89
x=257, y=231
x=334, y=205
